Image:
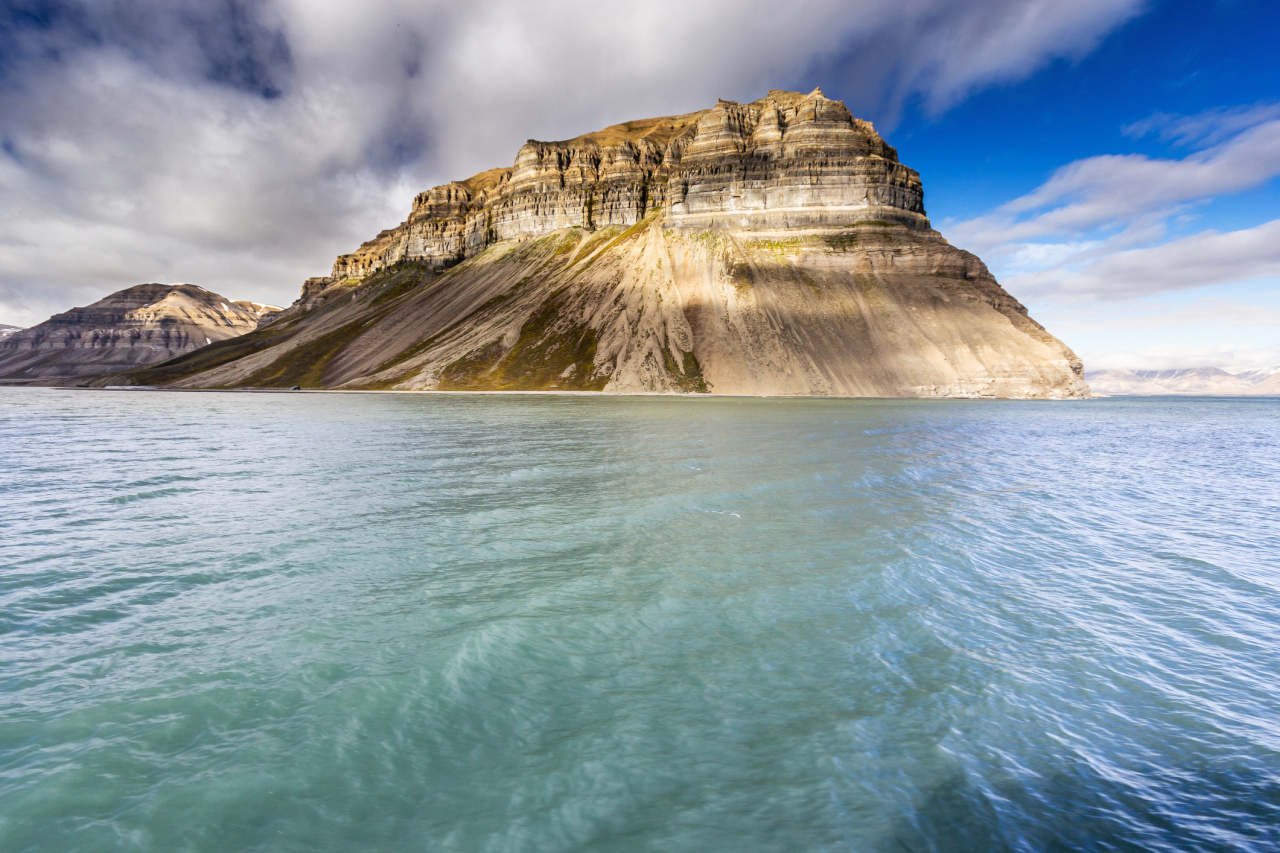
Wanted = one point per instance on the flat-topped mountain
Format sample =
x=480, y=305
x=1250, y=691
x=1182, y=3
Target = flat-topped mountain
x=133, y=327
x=786, y=161
x=775, y=247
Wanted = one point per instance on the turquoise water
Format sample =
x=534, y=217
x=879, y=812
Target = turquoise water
x=320, y=622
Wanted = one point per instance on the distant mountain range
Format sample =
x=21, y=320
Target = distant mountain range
x=1200, y=381
x=131, y=328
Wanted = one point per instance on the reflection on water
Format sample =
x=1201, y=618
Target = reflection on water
x=408, y=622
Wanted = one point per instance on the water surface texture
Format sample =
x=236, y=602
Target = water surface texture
x=327, y=622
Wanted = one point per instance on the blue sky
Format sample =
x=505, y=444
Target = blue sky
x=1184, y=78
x=1113, y=161
x=1183, y=57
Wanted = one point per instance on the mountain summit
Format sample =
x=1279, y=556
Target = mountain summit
x=775, y=247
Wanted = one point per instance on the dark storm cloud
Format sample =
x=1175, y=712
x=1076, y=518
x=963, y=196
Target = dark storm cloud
x=242, y=145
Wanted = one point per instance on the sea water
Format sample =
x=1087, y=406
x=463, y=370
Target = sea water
x=340, y=622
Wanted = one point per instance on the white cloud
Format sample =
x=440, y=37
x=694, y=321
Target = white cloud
x=1209, y=311
x=1095, y=230
x=1229, y=357
x=1201, y=260
x=1127, y=192
x=243, y=146
x=955, y=48
x=1089, y=249
x=1203, y=129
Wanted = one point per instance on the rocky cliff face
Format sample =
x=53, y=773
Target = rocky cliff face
x=785, y=161
x=776, y=247
x=140, y=325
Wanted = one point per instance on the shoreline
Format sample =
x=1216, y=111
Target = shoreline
x=518, y=393
x=631, y=394
x=595, y=394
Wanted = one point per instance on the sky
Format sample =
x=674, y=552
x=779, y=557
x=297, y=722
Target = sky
x=1114, y=162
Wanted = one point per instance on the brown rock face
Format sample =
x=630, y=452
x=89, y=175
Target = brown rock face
x=140, y=325
x=776, y=247
x=785, y=161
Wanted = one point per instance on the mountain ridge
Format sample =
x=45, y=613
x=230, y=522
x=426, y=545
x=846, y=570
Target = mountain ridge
x=1191, y=381
x=139, y=325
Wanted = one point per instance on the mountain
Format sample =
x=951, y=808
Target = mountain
x=775, y=247
x=6, y=330
x=1269, y=386
x=1200, y=381
x=1257, y=375
x=130, y=328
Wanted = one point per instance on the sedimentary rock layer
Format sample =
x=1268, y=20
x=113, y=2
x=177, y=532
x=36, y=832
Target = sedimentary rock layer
x=140, y=325
x=785, y=161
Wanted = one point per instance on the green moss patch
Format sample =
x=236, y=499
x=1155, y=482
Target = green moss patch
x=424, y=345
x=687, y=374
x=847, y=240
x=398, y=280
x=631, y=232
x=568, y=242
x=841, y=242
x=778, y=246
x=621, y=238
x=305, y=365
x=593, y=242
x=550, y=354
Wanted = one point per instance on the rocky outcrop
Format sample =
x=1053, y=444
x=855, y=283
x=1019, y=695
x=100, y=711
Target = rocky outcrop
x=137, y=326
x=776, y=247
x=785, y=161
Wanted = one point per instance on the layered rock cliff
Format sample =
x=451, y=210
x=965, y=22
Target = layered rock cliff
x=133, y=327
x=785, y=161
x=776, y=247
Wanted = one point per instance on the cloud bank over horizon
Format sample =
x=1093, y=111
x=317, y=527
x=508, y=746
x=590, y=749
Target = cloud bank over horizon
x=242, y=145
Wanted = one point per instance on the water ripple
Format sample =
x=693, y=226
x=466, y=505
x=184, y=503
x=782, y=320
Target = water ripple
x=353, y=622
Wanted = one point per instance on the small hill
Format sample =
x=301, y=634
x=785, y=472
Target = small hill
x=131, y=328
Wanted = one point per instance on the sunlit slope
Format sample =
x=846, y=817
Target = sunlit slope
x=874, y=310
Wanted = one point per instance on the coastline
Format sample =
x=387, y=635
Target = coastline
x=600, y=394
